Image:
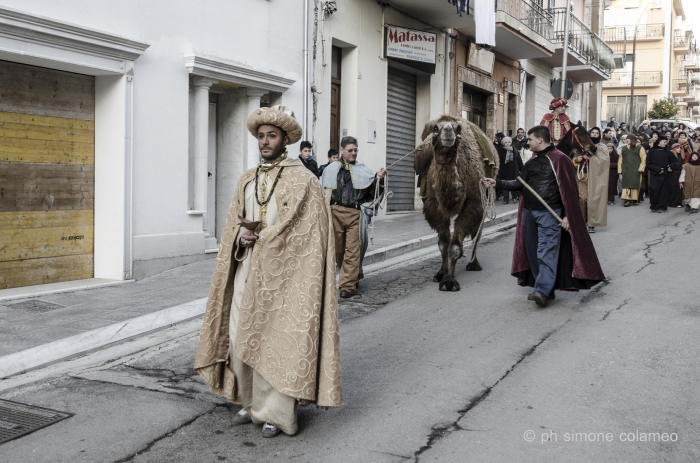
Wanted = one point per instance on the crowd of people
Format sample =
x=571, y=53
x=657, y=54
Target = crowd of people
x=658, y=163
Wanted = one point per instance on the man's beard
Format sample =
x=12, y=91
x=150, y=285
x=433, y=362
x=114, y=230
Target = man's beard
x=595, y=140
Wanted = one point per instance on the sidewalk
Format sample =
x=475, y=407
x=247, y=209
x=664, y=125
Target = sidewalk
x=35, y=326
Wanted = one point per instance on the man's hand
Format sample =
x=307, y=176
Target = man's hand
x=565, y=224
x=248, y=239
x=489, y=183
x=579, y=159
x=381, y=173
x=682, y=185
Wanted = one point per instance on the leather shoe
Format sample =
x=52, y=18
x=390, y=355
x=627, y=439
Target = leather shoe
x=269, y=430
x=345, y=294
x=551, y=297
x=538, y=297
x=241, y=417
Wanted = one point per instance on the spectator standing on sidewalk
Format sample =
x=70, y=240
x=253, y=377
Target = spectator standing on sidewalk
x=675, y=194
x=520, y=140
x=333, y=156
x=350, y=185
x=510, y=165
x=306, y=157
x=269, y=339
x=690, y=183
x=544, y=257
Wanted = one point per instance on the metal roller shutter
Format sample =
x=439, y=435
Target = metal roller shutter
x=401, y=138
x=47, y=175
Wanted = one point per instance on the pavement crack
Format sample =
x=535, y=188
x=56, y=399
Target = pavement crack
x=647, y=250
x=624, y=303
x=441, y=430
x=149, y=446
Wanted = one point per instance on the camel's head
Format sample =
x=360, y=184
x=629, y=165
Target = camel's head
x=446, y=132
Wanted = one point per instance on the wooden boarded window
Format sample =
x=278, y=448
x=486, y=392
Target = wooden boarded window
x=47, y=175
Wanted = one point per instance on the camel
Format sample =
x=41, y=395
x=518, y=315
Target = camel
x=453, y=157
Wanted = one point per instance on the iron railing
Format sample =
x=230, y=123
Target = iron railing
x=681, y=40
x=538, y=19
x=644, y=31
x=679, y=86
x=583, y=41
x=641, y=79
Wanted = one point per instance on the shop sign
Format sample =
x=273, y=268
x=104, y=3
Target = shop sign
x=411, y=47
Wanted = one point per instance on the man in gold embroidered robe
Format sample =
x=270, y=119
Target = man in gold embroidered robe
x=270, y=340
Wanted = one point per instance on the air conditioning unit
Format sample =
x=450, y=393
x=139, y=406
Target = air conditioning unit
x=619, y=60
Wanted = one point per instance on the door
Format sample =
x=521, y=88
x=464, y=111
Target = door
x=474, y=106
x=401, y=138
x=47, y=175
x=335, y=116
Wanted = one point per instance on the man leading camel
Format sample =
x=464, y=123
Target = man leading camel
x=543, y=256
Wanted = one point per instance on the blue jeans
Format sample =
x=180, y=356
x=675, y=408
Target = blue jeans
x=542, y=239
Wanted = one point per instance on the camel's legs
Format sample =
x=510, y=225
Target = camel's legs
x=467, y=224
x=441, y=224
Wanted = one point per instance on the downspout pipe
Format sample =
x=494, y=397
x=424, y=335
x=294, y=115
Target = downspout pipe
x=305, y=93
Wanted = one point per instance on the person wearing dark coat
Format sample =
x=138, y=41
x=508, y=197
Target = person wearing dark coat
x=549, y=254
x=306, y=157
x=333, y=156
x=660, y=162
x=613, y=175
x=520, y=140
x=510, y=165
x=675, y=194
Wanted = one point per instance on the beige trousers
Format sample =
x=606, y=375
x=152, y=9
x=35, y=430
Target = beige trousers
x=263, y=403
x=346, y=224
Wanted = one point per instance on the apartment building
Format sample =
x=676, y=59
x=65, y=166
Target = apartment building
x=509, y=86
x=652, y=36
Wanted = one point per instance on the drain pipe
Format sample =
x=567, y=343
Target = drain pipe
x=447, y=91
x=305, y=105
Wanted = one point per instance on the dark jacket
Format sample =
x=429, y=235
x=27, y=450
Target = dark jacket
x=309, y=164
x=538, y=173
x=519, y=144
x=510, y=170
x=346, y=195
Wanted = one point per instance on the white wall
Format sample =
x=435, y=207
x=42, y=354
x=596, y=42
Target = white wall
x=264, y=35
x=357, y=28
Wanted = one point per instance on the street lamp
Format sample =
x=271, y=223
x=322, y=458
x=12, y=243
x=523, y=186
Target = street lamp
x=634, y=61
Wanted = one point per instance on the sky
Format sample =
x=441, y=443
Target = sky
x=692, y=14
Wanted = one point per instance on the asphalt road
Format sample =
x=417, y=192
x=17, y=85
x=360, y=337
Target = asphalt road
x=474, y=376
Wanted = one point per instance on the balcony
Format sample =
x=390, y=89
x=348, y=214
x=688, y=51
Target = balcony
x=692, y=97
x=691, y=63
x=679, y=88
x=681, y=43
x=523, y=29
x=641, y=79
x=645, y=33
x=590, y=59
x=439, y=13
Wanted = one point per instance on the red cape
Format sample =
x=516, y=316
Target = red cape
x=579, y=267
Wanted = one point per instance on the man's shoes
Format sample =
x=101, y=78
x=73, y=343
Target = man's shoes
x=345, y=294
x=693, y=211
x=551, y=297
x=505, y=202
x=636, y=203
x=241, y=417
x=538, y=297
x=654, y=210
x=591, y=229
x=626, y=204
x=687, y=208
x=269, y=430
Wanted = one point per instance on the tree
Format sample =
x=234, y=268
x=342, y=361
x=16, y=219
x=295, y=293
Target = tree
x=663, y=109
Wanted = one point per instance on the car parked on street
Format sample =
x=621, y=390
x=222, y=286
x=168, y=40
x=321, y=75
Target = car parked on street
x=673, y=123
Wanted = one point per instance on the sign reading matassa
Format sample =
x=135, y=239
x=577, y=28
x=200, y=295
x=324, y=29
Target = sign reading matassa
x=47, y=175
x=413, y=48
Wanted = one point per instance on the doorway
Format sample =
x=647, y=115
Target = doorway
x=474, y=106
x=336, y=61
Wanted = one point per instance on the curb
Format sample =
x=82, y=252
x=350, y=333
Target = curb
x=398, y=249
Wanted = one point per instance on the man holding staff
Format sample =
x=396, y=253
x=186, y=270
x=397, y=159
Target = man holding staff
x=544, y=257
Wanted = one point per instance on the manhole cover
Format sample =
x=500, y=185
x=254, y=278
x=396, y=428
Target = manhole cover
x=17, y=420
x=34, y=305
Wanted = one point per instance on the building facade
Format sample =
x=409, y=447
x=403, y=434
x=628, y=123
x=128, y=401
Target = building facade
x=123, y=128
x=663, y=55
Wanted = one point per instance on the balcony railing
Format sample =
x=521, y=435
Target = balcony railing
x=644, y=32
x=641, y=79
x=583, y=41
x=681, y=40
x=679, y=87
x=530, y=14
